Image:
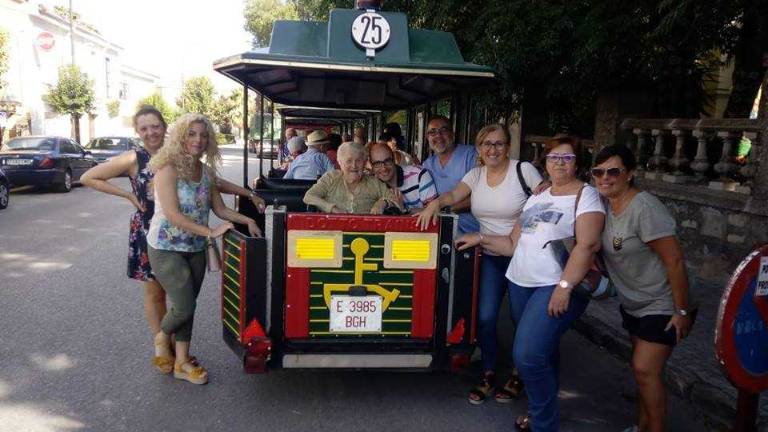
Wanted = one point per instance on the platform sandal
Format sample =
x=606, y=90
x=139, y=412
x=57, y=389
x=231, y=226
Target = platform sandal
x=480, y=393
x=188, y=371
x=512, y=390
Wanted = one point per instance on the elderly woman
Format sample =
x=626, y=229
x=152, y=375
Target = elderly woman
x=350, y=190
x=646, y=264
x=185, y=192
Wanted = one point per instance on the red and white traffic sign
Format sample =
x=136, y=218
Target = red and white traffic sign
x=741, y=333
x=45, y=40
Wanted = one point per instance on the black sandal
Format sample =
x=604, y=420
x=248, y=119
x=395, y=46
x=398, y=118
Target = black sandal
x=523, y=423
x=479, y=394
x=512, y=390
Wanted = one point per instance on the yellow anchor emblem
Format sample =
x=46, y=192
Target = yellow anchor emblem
x=359, y=248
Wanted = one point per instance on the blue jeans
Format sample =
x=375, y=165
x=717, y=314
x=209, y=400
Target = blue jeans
x=536, y=349
x=493, y=285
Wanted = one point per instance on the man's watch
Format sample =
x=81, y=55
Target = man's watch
x=564, y=284
x=681, y=312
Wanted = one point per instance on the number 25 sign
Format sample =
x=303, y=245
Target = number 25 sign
x=371, y=31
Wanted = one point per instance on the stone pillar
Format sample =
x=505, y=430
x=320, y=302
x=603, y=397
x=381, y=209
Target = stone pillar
x=725, y=167
x=642, y=138
x=658, y=162
x=700, y=164
x=678, y=162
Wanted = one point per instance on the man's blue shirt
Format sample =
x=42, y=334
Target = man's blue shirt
x=463, y=159
x=309, y=165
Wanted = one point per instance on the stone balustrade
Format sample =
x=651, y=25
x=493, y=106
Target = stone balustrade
x=699, y=151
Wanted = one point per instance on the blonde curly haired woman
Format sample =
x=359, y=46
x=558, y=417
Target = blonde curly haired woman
x=185, y=192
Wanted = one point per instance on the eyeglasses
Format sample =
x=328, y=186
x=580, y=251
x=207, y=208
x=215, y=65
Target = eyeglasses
x=565, y=158
x=382, y=163
x=612, y=172
x=434, y=131
x=498, y=145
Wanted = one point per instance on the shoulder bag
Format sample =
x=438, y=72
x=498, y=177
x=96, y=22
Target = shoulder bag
x=597, y=283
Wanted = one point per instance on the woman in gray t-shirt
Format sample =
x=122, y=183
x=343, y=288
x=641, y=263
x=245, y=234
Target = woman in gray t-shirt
x=646, y=264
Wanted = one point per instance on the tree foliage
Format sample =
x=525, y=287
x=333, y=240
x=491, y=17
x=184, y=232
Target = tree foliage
x=260, y=14
x=227, y=110
x=197, y=96
x=73, y=94
x=156, y=100
x=113, y=108
x=554, y=58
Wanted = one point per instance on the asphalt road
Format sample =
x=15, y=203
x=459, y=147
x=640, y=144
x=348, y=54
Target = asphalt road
x=75, y=351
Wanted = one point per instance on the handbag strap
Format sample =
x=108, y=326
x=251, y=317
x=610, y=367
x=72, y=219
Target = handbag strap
x=521, y=179
x=575, y=209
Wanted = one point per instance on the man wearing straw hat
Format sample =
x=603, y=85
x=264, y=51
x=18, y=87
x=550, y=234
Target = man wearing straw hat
x=313, y=163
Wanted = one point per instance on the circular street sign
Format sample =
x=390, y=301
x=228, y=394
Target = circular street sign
x=45, y=40
x=741, y=333
x=370, y=30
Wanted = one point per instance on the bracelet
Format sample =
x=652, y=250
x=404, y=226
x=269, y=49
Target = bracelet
x=481, y=236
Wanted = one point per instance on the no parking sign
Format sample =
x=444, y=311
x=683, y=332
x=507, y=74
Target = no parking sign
x=741, y=334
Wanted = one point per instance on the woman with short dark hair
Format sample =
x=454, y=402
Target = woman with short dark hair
x=646, y=265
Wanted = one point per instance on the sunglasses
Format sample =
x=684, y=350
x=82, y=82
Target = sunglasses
x=611, y=172
x=564, y=157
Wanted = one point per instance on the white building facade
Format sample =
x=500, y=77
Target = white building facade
x=39, y=43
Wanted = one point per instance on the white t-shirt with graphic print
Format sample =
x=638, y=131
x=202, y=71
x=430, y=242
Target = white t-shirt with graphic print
x=547, y=217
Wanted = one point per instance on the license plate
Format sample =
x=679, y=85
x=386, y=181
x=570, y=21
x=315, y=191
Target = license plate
x=355, y=314
x=18, y=161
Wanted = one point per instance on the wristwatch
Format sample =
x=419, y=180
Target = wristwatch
x=681, y=312
x=564, y=284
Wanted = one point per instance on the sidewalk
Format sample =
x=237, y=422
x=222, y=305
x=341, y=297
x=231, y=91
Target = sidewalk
x=692, y=372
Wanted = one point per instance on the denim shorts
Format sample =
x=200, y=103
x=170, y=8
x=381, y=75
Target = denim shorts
x=650, y=328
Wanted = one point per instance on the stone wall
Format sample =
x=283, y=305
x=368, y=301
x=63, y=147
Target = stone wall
x=717, y=229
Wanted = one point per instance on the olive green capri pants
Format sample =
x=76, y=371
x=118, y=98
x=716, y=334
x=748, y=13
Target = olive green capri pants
x=181, y=275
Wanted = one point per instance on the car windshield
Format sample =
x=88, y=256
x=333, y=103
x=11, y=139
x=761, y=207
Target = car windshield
x=31, y=144
x=109, y=143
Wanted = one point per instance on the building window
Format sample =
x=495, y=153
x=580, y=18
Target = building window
x=123, y=90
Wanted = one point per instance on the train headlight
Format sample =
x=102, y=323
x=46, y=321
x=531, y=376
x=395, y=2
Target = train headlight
x=320, y=249
x=410, y=250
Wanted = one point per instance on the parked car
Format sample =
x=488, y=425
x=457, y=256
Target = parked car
x=104, y=148
x=5, y=187
x=44, y=161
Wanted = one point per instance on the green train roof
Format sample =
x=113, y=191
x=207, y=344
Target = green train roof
x=319, y=64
